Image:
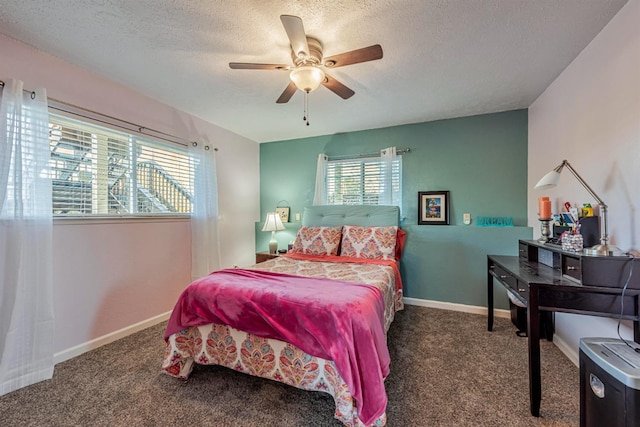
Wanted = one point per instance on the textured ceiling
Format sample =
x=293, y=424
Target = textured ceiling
x=442, y=58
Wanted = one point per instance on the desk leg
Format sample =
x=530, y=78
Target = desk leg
x=489, y=297
x=533, y=331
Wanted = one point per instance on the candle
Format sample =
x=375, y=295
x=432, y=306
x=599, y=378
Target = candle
x=545, y=210
x=541, y=208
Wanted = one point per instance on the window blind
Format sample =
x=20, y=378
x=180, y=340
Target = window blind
x=100, y=171
x=361, y=181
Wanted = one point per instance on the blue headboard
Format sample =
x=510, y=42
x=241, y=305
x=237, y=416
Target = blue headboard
x=329, y=215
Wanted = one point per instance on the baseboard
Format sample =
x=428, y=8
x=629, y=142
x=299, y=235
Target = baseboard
x=568, y=351
x=132, y=329
x=473, y=309
x=109, y=338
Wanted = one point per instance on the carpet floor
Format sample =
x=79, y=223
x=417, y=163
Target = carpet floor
x=447, y=370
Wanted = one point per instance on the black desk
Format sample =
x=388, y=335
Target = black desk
x=560, y=287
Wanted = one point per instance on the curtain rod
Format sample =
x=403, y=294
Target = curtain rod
x=114, y=121
x=361, y=155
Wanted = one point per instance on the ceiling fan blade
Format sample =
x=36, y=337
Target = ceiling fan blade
x=365, y=54
x=336, y=87
x=251, y=66
x=287, y=94
x=295, y=31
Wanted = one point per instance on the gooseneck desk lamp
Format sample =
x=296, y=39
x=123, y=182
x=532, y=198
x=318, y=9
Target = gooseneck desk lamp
x=551, y=179
x=273, y=224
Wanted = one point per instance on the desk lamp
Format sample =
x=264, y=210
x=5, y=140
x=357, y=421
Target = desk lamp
x=273, y=224
x=551, y=179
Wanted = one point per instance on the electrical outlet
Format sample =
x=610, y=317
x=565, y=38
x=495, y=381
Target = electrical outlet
x=297, y=216
x=466, y=219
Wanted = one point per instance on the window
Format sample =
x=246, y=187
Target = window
x=362, y=182
x=101, y=171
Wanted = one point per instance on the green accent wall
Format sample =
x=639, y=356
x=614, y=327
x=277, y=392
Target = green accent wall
x=481, y=160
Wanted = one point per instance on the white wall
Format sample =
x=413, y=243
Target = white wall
x=590, y=116
x=110, y=275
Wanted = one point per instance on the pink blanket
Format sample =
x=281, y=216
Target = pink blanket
x=334, y=320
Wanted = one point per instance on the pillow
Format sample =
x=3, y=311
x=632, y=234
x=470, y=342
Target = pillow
x=369, y=242
x=400, y=238
x=317, y=240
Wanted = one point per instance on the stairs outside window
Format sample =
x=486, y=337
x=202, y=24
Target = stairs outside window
x=99, y=171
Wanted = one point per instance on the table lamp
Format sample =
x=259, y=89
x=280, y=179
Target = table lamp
x=273, y=224
x=551, y=179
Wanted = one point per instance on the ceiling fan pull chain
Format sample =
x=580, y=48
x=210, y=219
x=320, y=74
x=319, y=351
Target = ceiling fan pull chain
x=306, y=107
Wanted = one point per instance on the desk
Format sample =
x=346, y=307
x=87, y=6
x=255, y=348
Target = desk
x=555, y=288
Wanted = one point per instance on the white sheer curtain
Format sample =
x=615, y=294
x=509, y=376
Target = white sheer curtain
x=26, y=297
x=391, y=191
x=320, y=194
x=205, y=245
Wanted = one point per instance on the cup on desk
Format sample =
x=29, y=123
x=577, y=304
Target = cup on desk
x=571, y=241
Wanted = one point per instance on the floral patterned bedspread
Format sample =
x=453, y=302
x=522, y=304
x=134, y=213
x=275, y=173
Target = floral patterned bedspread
x=215, y=344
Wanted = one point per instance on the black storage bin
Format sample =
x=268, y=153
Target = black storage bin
x=519, y=320
x=609, y=383
x=518, y=316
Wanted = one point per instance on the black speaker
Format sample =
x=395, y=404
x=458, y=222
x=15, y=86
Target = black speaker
x=590, y=230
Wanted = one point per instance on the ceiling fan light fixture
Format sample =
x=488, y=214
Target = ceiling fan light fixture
x=307, y=78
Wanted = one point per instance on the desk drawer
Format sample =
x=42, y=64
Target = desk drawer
x=505, y=277
x=511, y=281
x=523, y=250
x=571, y=267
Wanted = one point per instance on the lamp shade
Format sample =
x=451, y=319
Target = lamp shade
x=273, y=222
x=307, y=78
x=550, y=180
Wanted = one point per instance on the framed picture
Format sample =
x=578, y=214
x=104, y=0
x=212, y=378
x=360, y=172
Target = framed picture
x=433, y=208
x=284, y=214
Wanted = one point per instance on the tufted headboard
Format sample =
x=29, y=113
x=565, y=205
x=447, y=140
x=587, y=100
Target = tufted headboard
x=330, y=215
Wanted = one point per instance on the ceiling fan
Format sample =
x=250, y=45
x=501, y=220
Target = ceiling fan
x=307, y=73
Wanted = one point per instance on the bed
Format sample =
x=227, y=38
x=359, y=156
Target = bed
x=315, y=319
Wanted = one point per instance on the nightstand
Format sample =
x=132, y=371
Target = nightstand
x=265, y=256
